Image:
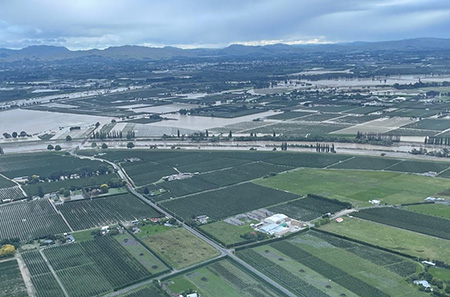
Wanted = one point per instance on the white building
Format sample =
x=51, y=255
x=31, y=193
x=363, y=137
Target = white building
x=276, y=219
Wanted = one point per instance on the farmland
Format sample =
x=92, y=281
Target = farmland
x=356, y=186
x=149, y=291
x=29, y=220
x=180, y=248
x=438, y=210
x=226, y=202
x=309, y=208
x=94, y=267
x=221, y=278
x=342, y=267
x=366, y=163
x=13, y=193
x=50, y=187
x=227, y=233
x=105, y=211
x=141, y=254
x=41, y=277
x=429, y=225
x=11, y=282
x=399, y=240
x=6, y=183
x=43, y=164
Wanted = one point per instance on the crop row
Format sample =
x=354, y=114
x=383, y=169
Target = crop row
x=41, y=277
x=44, y=164
x=105, y=211
x=83, y=281
x=13, y=193
x=35, y=263
x=46, y=285
x=29, y=220
x=67, y=256
x=227, y=202
x=310, y=207
x=408, y=220
x=396, y=264
x=334, y=273
x=236, y=278
x=116, y=264
x=279, y=274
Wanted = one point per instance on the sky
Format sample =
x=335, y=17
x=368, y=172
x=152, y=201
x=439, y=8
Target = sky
x=86, y=24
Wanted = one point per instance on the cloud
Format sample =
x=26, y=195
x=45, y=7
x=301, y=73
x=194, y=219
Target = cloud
x=80, y=24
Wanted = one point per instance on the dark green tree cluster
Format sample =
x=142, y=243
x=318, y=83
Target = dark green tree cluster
x=325, y=148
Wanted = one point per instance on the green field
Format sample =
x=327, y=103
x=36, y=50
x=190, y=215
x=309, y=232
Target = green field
x=440, y=273
x=362, y=273
x=11, y=282
x=180, y=248
x=292, y=275
x=226, y=233
x=312, y=262
x=358, y=187
x=438, y=210
x=141, y=254
x=408, y=220
x=391, y=238
x=226, y=202
x=222, y=278
x=150, y=229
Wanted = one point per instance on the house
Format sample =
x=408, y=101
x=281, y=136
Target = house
x=339, y=220
x=203, y=219
x=423, y=283
x=375, y=202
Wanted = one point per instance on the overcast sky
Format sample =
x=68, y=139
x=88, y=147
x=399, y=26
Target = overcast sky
x=83, y=24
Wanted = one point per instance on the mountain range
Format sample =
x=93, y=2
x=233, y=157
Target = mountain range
x=54, y=53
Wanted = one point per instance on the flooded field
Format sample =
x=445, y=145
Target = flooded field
x=34, y=122
x=382, y=125
x=202, y=123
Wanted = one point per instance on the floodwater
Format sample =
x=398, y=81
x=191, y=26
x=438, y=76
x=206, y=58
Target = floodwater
x=202, y=123
x=34, y=121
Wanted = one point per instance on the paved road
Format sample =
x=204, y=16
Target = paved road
x=223, y=251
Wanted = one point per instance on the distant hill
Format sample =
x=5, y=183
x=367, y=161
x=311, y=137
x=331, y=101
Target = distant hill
x=54, y=53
